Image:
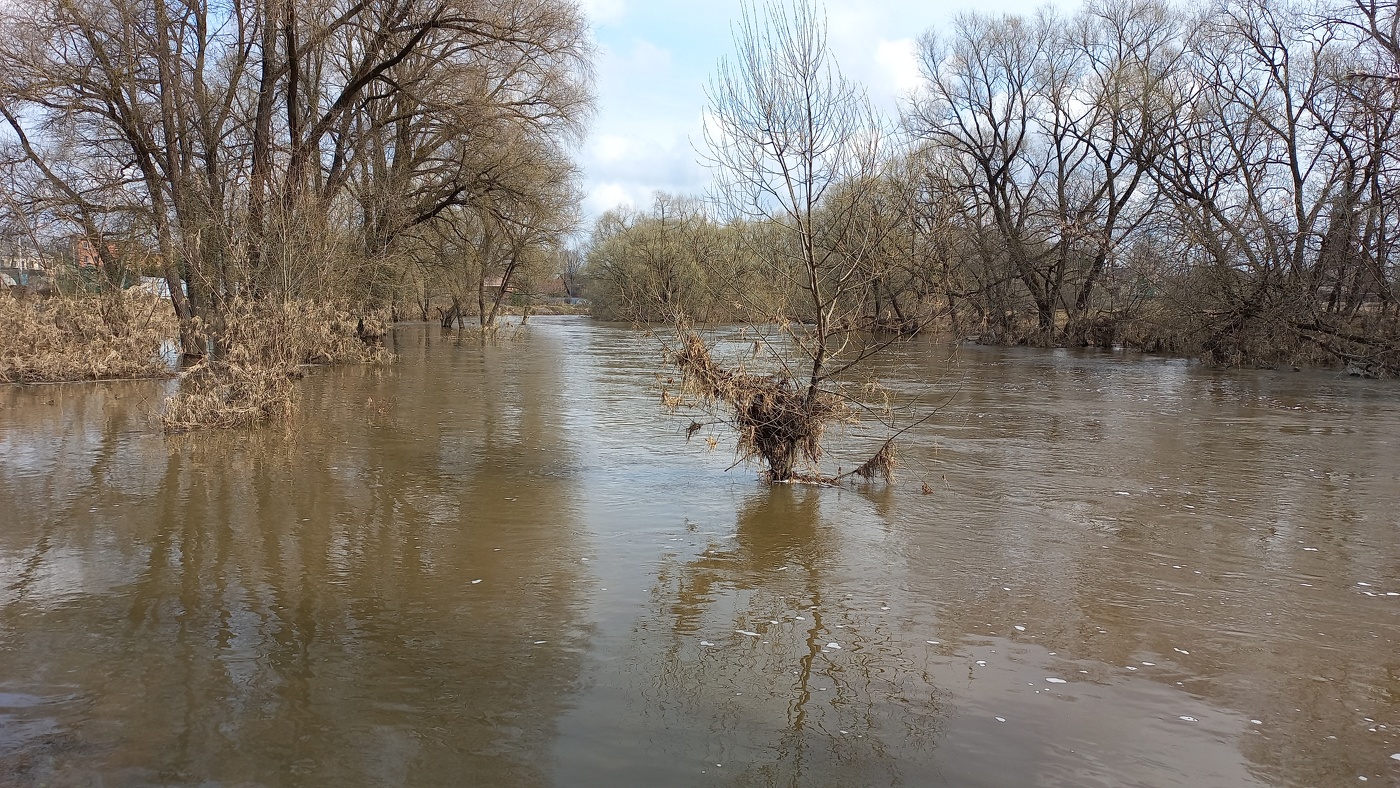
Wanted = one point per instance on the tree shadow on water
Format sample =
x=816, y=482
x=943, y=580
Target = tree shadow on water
x=783, y=674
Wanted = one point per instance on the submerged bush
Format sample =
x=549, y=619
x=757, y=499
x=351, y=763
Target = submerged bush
x=259, y=352
x=775, y=419
x=88, y=337
x=226, y=395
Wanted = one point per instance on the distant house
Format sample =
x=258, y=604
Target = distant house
x=24, y=261
x=22, y=267
x=555, y=287
x=85, y=253
x=135, y=259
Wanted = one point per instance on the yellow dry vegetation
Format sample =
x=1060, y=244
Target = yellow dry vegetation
x=82, y=337
x=262, y=348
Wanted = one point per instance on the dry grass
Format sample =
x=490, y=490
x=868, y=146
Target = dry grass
x=89, y=337
x=260, y=351
x=775, y=419
x=224, y=395
x=882, y=464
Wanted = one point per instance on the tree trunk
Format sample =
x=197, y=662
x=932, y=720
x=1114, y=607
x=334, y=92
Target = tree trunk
x=781, y=459
x=451, y=316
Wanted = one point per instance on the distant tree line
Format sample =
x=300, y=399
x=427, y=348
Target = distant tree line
x=367, y=152
x=1218, y=182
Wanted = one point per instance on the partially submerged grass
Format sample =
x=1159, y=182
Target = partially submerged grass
x=259, y=354
x=881, y=464
x=88, y=337
x=493, y=334
x=226, y=395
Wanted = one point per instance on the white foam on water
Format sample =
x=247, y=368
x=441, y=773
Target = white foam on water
x=1053, y=680
x=1187, y=719
x=999, y=719
x=1020, y=628
x=746, y=632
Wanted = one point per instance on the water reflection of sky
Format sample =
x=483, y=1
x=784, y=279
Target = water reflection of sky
x=508, y=562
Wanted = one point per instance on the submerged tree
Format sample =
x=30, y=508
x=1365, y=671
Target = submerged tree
x=796, y=148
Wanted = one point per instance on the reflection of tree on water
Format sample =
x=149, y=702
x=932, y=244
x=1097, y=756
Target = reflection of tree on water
x=298, y=608
x=794, y=709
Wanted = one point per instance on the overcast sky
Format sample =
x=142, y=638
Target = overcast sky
x=655, y=57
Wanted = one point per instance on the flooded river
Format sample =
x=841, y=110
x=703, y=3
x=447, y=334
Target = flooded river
x=507, y=567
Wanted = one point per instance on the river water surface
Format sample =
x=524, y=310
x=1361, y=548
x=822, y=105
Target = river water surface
x=506, y=566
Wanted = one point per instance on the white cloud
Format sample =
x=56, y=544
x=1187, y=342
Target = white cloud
x=605, y=12
x=641, y=140
x=606, y=196
x=611, y=148
x=649, y=61
x=625, y=169
x=900, y=62
x=655, y=58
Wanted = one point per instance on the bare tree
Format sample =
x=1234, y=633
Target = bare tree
x=281, y=148
x=794, y=145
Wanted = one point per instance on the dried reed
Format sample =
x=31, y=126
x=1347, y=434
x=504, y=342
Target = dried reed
x=86, y=337
x=259, y=352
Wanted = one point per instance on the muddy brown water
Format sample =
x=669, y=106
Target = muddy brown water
x=507, y=566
